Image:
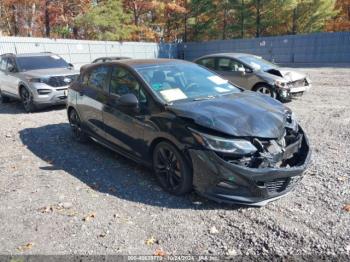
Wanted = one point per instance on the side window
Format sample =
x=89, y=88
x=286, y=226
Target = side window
x=224, y=64
x=123, y=82
x=99, y=78
x=3, y=63
x=237, y=66
x=85, y=78
x=11, y=64
x=230, y=65
x=207, y=62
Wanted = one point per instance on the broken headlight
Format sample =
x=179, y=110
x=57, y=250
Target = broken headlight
x=281, y=84
x=224, y=145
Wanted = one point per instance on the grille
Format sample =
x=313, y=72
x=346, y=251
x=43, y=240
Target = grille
x=298, y=83
x=279, y=185
x=58, y=81
x=276, y=186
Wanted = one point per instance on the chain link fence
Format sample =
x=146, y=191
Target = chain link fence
x=80, y=52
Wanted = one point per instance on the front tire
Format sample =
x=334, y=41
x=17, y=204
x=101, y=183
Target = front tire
x=266, y=90
x=27, y=100
x=171, y=169
x=75, y=124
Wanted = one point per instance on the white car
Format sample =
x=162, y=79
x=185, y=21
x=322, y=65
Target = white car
x=38, y=80
x=254, y=73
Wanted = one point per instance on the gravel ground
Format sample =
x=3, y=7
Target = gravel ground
x=61, y=197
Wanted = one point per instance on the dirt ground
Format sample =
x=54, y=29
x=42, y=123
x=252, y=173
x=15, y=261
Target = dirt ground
x=61, y=197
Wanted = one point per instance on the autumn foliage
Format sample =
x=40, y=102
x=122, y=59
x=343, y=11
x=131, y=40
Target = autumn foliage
x=170, y=20
x=341, y=22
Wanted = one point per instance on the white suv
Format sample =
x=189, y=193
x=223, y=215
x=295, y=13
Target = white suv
x=37, y=80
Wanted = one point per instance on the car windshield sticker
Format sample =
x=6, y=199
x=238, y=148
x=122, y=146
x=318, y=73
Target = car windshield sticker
x=221, y=90
x=157, y=86
x=217, y=80
x=173, y=94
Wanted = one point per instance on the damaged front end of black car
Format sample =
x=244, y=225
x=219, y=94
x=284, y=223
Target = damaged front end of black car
x=252, y=164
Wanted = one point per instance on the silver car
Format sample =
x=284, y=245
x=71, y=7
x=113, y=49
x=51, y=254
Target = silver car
x=254, y=73
x=37, y=80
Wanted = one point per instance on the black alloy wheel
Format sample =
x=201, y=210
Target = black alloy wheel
x=267, y=90
x=75, y=124
x=27, y=100
x=171, y=169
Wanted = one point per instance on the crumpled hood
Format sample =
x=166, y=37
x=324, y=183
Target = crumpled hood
x=286, y=74
x=245, y=114
x=51, y=72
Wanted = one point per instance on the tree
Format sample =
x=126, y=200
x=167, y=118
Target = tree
x=312, y=15
x=105, y=21
x=138, y=8
x=340, y=22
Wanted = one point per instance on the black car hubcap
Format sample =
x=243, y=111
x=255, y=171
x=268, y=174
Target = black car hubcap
x=75, y=123
x=267, y=91
x=168, y=169
x=26, y=98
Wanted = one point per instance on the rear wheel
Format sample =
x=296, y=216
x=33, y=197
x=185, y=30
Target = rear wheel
x=171, y=169
x=27, y=100
x=267, y=90
x=75, y=125
x=4, y=99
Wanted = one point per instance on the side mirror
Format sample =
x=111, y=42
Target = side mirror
x=242, y=70
x=129, y=100
x=70, y=65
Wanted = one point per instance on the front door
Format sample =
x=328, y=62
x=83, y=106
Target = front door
x=12, y=77
x=92, y=97
x=125, y=126
x=4, y=79
x=233, y=71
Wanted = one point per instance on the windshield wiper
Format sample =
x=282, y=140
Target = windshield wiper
x=203, y=98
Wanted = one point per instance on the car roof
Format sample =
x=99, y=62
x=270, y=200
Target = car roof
x=113, y=57
x=30, y=54
x=137, y=63
x=230, y=55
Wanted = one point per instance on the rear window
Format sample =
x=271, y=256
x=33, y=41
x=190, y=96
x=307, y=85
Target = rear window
x=41, y=62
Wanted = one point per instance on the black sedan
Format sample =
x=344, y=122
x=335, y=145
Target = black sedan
x=195, y=129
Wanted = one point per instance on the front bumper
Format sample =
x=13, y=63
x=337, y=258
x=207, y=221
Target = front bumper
x=222, y=181
x=289, y=93
x=51, y=95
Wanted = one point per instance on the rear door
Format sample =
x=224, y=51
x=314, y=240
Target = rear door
x=92, y=97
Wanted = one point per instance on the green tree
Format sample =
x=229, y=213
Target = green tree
x=106, y=21
x=312, y=15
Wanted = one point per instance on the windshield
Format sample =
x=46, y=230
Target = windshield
x=257, y=63
x=41, y=62
x=182, y=81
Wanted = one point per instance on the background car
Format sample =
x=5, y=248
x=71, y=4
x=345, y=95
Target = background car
x=38, y=80
x=254, y=73
x=109, y=58
x=193, y=127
